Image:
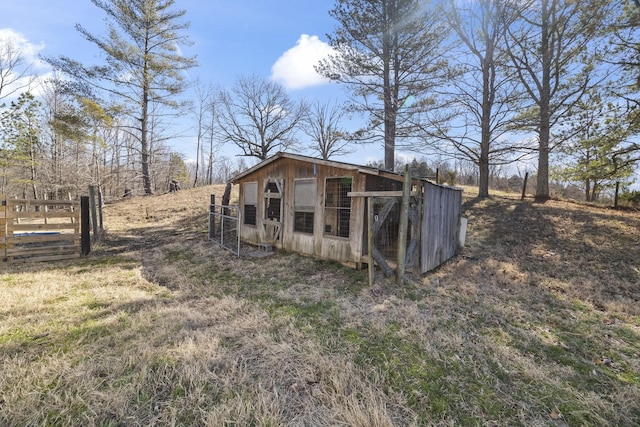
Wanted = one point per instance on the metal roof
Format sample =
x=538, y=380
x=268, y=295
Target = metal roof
x=348, y=166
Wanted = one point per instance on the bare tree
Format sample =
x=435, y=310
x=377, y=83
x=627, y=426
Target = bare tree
x=14, y=70
x=483, y=98
x=549, y=49
x=259, y=117
x=322, y=125
x=199, y=113
x=205, y=110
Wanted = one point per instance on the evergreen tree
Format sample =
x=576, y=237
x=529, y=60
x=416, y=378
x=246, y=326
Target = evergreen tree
x=590, y=154
x=144, y=66
x=389, y=54
x=625, y=33
x=19, y=149
x=549, y=49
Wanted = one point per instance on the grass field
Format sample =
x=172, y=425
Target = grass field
x=535, y=323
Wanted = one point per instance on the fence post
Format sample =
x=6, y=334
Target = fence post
x=100, y=220
x=403, y=226
x=3, y=226
x=94, y=214
x=212, y=218
x=370, y=239
x=524, y=185
x=85, y=239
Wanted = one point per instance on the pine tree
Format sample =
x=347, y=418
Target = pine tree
x=19, y=148
x=144, y=67
x=590, y=153
x=549, y=47
x=389, y=54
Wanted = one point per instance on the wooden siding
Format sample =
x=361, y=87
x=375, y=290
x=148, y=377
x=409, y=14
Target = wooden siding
x=437, y=217
x=440, y=224
x=316, y=244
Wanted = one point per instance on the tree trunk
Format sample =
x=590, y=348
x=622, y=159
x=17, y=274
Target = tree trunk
x=483, y=166
x=195, y=178
x=144, y=131
x=485, y=123
x=587, y=190
x=144, y=154
x=34, y=173
x=542, y=187
x=389, y=115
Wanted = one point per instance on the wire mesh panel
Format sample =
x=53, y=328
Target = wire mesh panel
x=386, y=217
x=224, y=227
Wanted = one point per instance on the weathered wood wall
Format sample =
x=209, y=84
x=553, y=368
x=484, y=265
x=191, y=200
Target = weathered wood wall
x=39, y=230
x=441, y=213
x=316, y=244
x=435, y=229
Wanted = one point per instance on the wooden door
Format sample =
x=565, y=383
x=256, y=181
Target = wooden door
x=273, y=210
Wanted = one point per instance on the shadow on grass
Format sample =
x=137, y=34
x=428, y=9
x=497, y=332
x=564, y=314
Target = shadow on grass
x=595, y=253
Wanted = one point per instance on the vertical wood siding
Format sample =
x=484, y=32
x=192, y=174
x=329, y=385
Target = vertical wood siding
x=440, y=224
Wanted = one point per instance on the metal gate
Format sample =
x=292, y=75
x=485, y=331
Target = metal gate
x=224, y=226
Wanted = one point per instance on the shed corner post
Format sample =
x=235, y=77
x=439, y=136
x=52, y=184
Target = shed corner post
x=370, y=239
x=403, y=226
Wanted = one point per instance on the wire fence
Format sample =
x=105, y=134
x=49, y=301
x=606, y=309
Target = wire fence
x=224, y=227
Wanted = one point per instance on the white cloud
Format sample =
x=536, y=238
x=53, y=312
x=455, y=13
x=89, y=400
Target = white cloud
x=28, y=74
x=295, y=68
x=19, y=42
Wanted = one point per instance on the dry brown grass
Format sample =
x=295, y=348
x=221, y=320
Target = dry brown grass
x=537, y=322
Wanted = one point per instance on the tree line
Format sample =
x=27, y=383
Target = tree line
x=487, y=82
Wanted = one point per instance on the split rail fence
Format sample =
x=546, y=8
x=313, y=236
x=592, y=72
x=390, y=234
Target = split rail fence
x=41, y=230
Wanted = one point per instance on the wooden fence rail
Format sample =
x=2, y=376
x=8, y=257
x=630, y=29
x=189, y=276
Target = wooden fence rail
x=39, y=230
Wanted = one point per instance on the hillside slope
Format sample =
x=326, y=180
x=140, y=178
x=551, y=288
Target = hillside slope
x=536, y=322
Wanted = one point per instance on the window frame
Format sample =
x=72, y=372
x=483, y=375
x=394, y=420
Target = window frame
x=244, y=204
x=337, y=208
x=304, y=209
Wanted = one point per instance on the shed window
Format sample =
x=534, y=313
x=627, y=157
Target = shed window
x=337, y=207
x=250, y=190
x=304, y=205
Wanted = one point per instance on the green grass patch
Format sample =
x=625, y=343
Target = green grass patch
x=434, y=388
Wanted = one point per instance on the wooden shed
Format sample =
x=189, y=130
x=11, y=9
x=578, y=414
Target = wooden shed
x=320, y=208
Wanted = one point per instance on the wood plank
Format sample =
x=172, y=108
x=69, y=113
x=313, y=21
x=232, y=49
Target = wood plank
x=45, y=215
x=41, y=227
x=379, y=194
x=382, y=215
x=45, y=258
x=382, y=262
x=43, y=250
x=31, y=202
x=42, y=238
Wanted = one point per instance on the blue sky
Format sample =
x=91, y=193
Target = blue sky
x=276, y=39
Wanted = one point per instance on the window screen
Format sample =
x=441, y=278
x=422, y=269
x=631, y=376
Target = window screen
x=304, y=205
x=250, y=202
